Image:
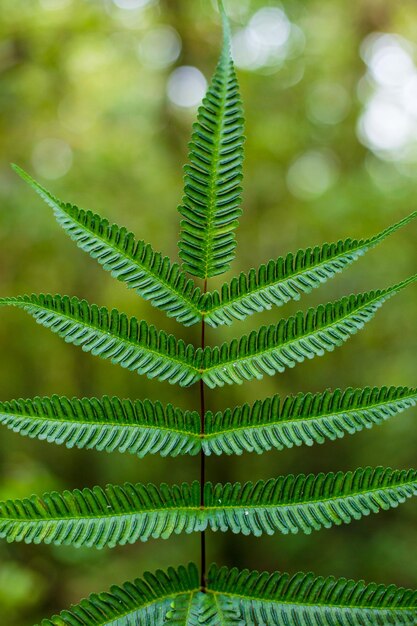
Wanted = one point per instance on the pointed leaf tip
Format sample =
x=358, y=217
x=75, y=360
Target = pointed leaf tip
x=21, y=172
x=211, y=204
x=16, y=168
x=409, y=281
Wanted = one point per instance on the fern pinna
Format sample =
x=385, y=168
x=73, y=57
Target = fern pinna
x=113, y=515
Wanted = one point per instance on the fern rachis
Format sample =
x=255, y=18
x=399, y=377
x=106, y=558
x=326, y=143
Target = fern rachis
x=113, y=515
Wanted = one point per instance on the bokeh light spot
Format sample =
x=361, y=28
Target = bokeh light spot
x=388, y=124
x=270, y=27
x=131, y=5
x=384, y=125
x=312, y=174
x=52, y=158
x=247, y=52
x=160, y=47
x=265, y=41
x=388, y=57
x=186, y=86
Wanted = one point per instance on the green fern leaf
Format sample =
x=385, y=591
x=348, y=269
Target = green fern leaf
x=108, y=424
x=278, y=599
x=142, y=428
x=187, y=610
x=112, y=335
x=290, y=504
x=243, y=598
x=99, y=517
x=119, y=515
x=287, y=278
x=135, y=263
x=217, y=611
x=274, y=348
x=211, y=204
x=146, y=601
x=302, y=419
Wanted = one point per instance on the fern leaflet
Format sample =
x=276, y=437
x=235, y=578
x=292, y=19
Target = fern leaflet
x=274, y=348
x=302, y=419
x=108, y=424
x=290, y=504
x=211, y=204
x=239, y=598
x=279, y=599
x=147, y=427
x=146, y=601
x=112, y=335
x=119, y=515
x=135, y=263
x=287, y=278
x=187, y=610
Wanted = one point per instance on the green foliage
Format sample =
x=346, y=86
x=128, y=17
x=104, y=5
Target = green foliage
x=148, y=427
x=211, y=204
x=116, y=515
x=303, y=419
x=143, y=349
x=133, y=262
x=285, y=279
x=274, y=348
x=146, y=601
x=242, y=598
x=103, y=517
x=279, y=599
x=108, y=424
x=112, y=335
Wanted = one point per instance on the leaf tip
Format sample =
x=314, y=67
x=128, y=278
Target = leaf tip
x=21, y=172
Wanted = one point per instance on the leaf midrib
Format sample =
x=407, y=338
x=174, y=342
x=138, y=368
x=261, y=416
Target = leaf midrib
x=189, y=433
x=212, y=196
x=262, y=599
x=157, y=600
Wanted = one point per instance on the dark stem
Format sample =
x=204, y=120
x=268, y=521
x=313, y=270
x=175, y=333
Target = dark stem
x=203, y=457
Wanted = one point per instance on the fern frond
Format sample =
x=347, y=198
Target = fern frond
x=108, y=424
x=119, y=515
x=133, y=262
x=148, y=427
x=243, y=598
x=287, y=278
x=302, y=419
x=95, y=518
x=146, y=601
x=306, y=335
x=112, y=335
x=211, y=204
x=290, y=504
x=279, y=599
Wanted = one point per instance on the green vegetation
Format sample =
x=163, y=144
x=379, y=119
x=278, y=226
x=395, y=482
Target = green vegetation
x=294, y=502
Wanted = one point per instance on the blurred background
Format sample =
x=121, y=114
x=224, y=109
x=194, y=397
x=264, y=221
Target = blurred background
x=97, y=100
